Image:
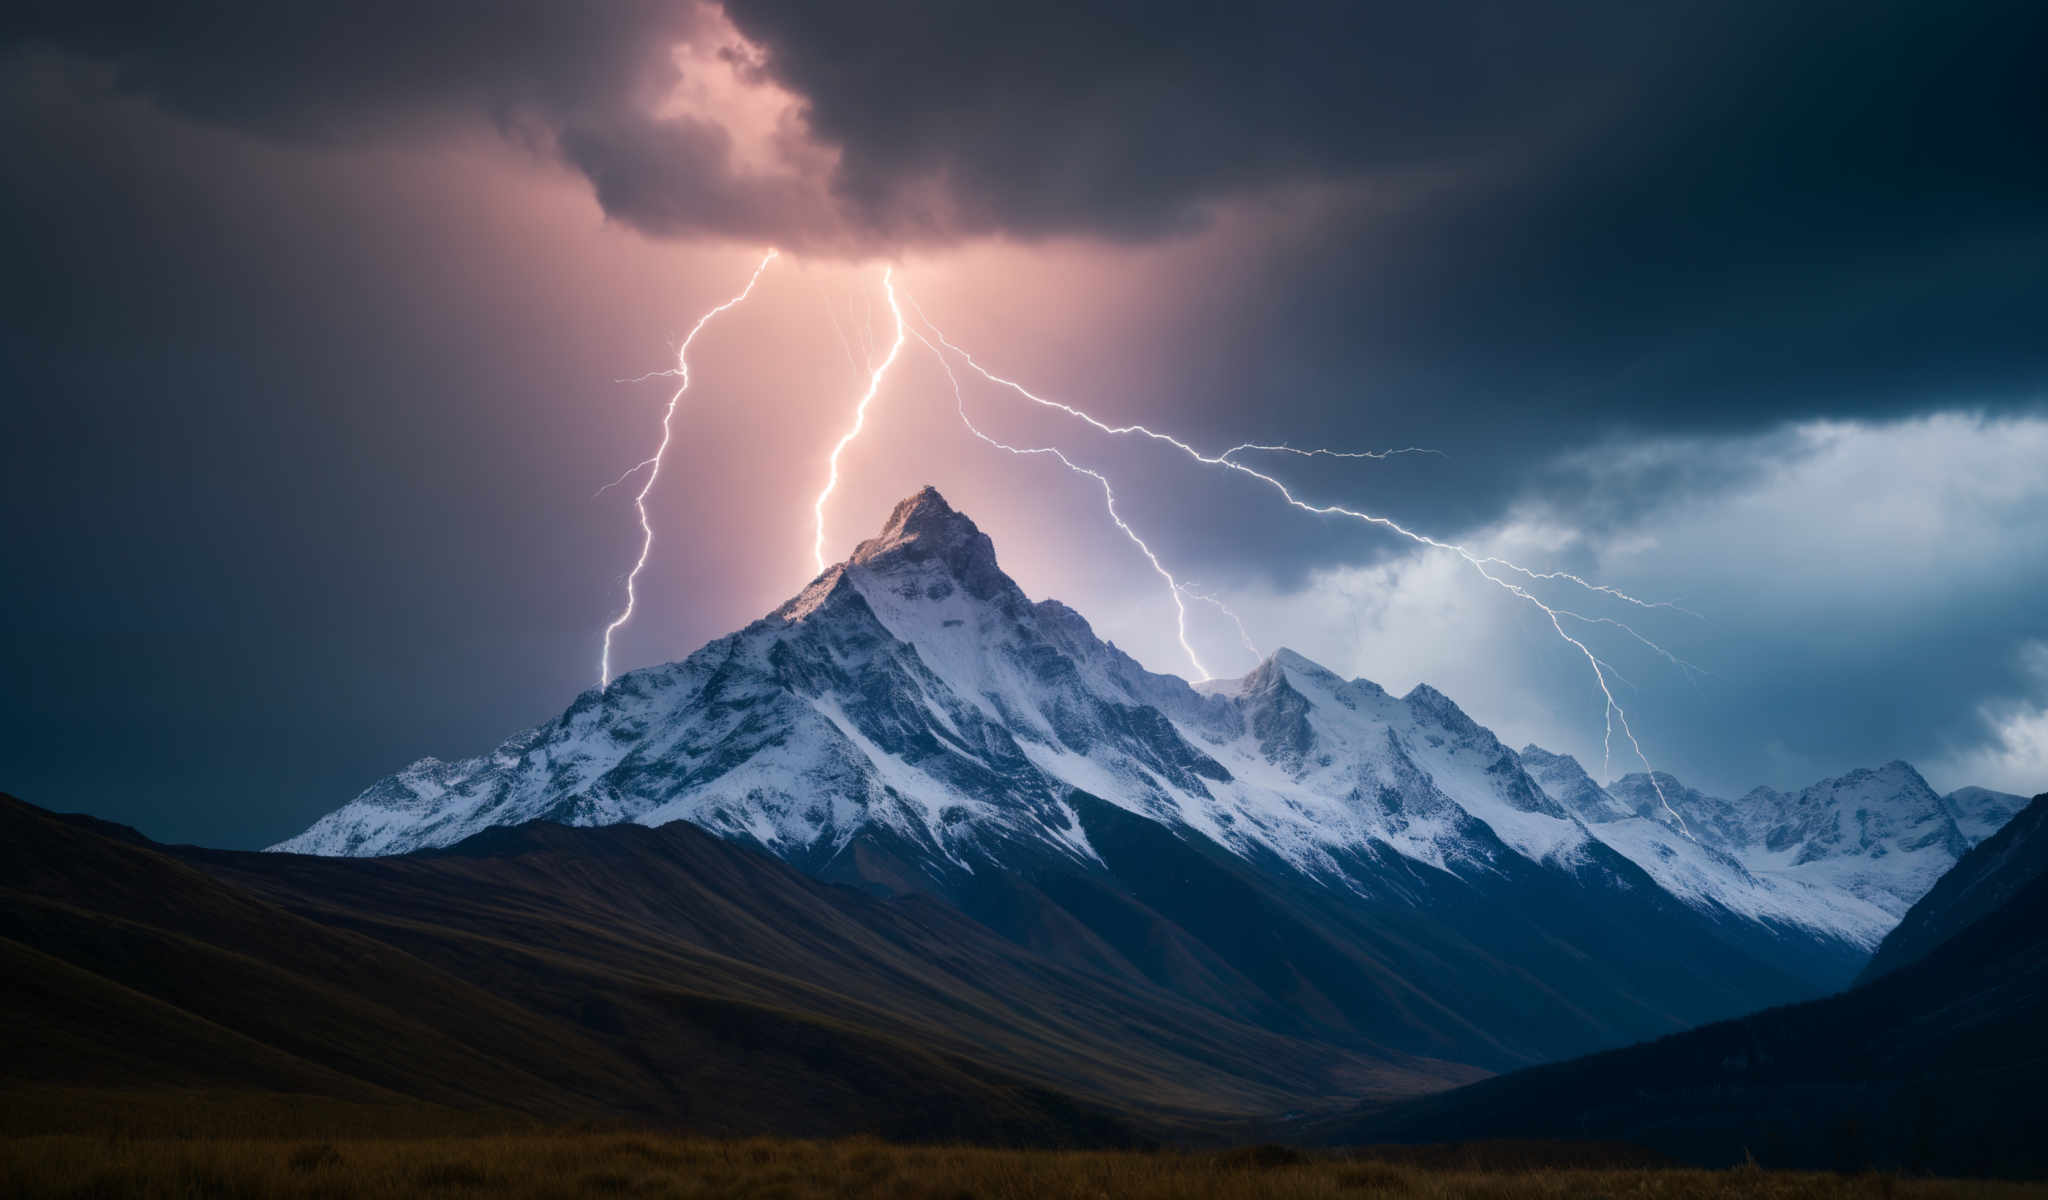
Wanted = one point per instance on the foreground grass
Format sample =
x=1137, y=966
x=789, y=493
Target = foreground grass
x=198, y=1114
x=566, y=1165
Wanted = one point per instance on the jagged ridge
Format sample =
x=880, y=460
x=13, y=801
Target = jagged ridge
x=913, y=693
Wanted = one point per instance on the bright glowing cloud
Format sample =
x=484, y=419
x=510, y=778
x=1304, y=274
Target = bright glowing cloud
x=1863, y=584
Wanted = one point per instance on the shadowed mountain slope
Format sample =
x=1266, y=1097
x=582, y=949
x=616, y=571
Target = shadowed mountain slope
x=1986, y=878
x=654, y=976
x=1934, y=1066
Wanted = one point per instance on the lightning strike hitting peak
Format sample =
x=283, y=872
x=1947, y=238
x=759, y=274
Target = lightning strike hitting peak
x=653, y=464
x=860, y=419
x=1174, y=587
x=1613, y=711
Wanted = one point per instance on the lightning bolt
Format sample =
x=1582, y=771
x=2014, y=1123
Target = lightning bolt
x=652, y=464
x=1210, y=598
x=624, y=475
x=832, y=313
x=1690, y=669
x=1174, y=587
x=1272, y=448
x=1613, y=711
x=860, y=420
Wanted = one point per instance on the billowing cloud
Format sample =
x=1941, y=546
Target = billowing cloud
x=1124, y=119
x=940, y=121
x=909, y=122
x=1662, y=214
x=2011, y=753
x=1862, y=589
x=660, y=104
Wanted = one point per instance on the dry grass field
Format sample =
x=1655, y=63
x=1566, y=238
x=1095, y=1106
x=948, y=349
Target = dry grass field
x=601, y=1164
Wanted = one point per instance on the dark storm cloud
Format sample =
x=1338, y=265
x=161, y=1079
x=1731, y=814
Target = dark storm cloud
x=1534, y=229
x=1838, y=212
x=667, y=177
x=1124, y=119
x=1570, y=219
x=1609, y=136
x=579, y=81
x=1658, y=216
x=1631, y=131
x=1665, y=214
x=340, y=70
x=953, y=120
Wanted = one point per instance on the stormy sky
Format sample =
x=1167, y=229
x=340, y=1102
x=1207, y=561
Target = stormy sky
x=315, y=319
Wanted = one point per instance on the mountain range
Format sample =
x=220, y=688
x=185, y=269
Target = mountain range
x=917, y=856
x=1845, y=857
x=1309, y=854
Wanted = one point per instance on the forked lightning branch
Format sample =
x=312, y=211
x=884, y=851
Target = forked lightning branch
x=1501, y=573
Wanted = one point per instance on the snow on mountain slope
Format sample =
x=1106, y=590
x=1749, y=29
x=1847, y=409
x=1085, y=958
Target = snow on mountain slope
x=1565, y=781
x=1981, y=812
x=773, y=734
x=915, y=688
x=1881, y=834
x=1848, y=855
x=1693, y=868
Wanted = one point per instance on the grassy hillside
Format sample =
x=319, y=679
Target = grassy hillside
x=557, y=1165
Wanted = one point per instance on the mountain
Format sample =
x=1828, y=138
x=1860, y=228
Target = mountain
x=1934, y=1066
x=1812, y=921
x=1308, y=854
x=1981, y=812
x=1845, y=857
x=549, y=974
x=1986, y=879
x=1881, y=835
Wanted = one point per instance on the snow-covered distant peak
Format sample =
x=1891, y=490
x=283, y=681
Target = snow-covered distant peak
x=1878, y=832
x=1287, y=659
x=1851, y=814
x=1698, y=866
x=1981, y=812
x=1710, y=820
x=1290, y=669
x=1565, y=781
x=1878, y=835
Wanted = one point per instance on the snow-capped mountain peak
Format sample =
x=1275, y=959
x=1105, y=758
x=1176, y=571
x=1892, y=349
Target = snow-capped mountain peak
x=1855, y=850
x=914, y=693
x=1981, y=812
x=915, y=689
x=923, y=528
